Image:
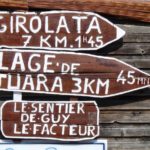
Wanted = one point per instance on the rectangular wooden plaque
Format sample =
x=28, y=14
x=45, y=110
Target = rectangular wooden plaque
x=66, y=121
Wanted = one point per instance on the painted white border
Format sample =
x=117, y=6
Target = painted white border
x=59, y=139
x=119, y=32
x=77, y=54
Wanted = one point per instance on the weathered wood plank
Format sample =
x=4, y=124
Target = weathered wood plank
x=136, y=32
x=128, y=143
x=125, y=130
x=125, y=116
x=132, y=49
x=137, y=37
x=125, y=103
x=140, y=28
x=118, y=8
x=14, y=4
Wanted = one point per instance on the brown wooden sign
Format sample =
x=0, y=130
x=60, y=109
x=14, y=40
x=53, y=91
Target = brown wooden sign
x=68, y=74
x=72, y=121
x=57, y=30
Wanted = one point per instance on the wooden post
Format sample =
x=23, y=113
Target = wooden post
x=17, y=96
x=73, y=99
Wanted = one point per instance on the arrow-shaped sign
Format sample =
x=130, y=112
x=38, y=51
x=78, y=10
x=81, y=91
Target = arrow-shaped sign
x=57, y=30
x=68, y=74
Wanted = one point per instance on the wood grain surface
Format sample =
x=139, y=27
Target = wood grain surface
x=14, y=4
x=135, y=9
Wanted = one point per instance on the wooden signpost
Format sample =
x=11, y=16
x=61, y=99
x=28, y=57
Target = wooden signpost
x=68, y=74
x=66, y=121
x=57, y=30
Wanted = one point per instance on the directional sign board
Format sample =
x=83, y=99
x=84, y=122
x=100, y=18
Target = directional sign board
x=68, y=74
x=57, y=30
x=67, y=121
x=97, y=145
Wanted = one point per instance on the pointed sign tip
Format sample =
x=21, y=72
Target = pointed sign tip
x=120, y=33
